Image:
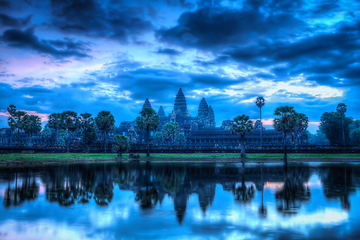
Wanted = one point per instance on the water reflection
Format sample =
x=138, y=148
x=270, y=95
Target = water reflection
x=274, y=191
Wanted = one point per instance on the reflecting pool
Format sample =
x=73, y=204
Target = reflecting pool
x=181, y=201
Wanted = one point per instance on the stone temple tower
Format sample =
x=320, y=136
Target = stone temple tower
x=147, y=104
x=211, y=117
x=180, y=103
x=161, y=112
x=203, y=112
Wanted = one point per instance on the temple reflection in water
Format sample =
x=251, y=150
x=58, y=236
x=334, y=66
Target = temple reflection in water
x=151, y=183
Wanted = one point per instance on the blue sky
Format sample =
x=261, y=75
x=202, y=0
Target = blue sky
x=89, y=56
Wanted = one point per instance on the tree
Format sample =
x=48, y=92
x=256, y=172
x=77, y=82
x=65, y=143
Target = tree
x=55, y=121
x=355, y=136
x=302, y=123
x=105, y=122
x=122, y=144
x=180, y=138
x=70, y=123
x=260, y=102
x=46, y=132
x=148, y=119
x=158, y=137
x=285, y=122
x=318, y=138
x=331, y=126
x=15, y=121
x=241, y=125
x=341, y=108
x=89, y=134
x=170, y=130
x=32, y=125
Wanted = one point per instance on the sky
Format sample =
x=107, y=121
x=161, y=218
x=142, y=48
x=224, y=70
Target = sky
x=89, y=56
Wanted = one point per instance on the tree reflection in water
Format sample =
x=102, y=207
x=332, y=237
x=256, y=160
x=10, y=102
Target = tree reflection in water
x=294, y=192
x=150, y=183
x=243, y=194
x=28, y=191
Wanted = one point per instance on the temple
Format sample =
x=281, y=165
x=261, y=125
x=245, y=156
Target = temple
x=201, y=129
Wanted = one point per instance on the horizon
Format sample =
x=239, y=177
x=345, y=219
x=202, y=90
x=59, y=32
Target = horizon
x=89, y=56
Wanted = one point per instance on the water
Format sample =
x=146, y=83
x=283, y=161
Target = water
x=180, y=201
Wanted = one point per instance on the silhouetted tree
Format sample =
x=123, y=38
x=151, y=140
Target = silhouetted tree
x=341, y=109
x=331, y=125
x=55, y=121
x=260, y=102
x=301, y=125
x=89, y=134
x=16, y=120
x=148, y=119
x=70, y=123
x=122, y=144
x=105, y=122
x=242, y=125
x=285, y=123
x=32, y=125
x=170, y=130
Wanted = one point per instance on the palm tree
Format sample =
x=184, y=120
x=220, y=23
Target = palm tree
x=89, y=134
x=302, y=123
x=105, y=122
x=148, y=119
x=341, y=108
x=241, y=125
x=285, y=123
x=122, y=144
x=16, y=119
x=260, y=102
x=32, y=125
x=55, y=122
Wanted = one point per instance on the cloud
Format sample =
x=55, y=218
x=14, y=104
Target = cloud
x=167, y=51
x=89, y=18
x=218, y=28
x=58, y=48
x=8, y=21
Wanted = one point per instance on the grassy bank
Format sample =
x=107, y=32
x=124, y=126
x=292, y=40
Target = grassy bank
x=41, y=158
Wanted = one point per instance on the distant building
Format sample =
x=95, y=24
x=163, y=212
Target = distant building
x=202, y=130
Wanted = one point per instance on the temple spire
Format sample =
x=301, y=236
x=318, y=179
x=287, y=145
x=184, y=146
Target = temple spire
x=180, y=103
x=147, y=104
x=161, y=112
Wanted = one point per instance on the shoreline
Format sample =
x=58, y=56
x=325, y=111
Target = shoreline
x=30, y=160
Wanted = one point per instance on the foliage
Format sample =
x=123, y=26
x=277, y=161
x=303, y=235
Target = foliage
x=105, y=122
x=241, y=125
x=355, y=124
x=301, y=125
x=148, y=119
x=331, y=126
x=355, y=136
x=170, y=130
x=260, y=102
x=46, y=132
x=122, y=144
x=341, y=108
x=180, y=138
x=317, y=139
x=69, y=123
x=285, y=121
x=15, y=121
x=31, y=124
x=55, y=121
x=158, y=137
x=89, y=134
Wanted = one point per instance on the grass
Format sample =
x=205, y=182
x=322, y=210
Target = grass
x=44, y=158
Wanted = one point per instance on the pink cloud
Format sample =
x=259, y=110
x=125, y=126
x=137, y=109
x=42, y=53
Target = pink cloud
x=43, y=116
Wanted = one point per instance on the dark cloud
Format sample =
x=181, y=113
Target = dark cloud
x=5, y=4
x=167, y=51
x=214, y=28
x=7, y=21
x=58, y=49
x=89, y=18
